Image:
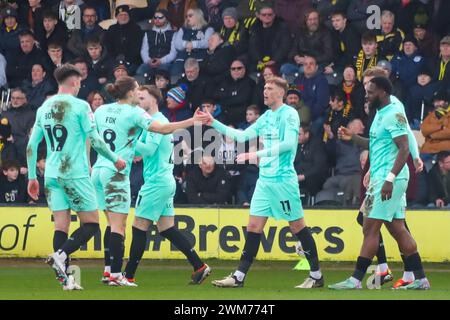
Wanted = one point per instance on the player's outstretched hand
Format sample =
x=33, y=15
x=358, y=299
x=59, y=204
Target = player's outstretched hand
x=33, y=189
x=120, y=164
x=344, y=134
x=386, y=190
x=418, y=164
x=205, y=117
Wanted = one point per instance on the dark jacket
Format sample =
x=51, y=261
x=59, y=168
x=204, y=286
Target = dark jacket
x=59, y=35
x=345, y=157
x=103, y=68
x=274, y=42
x=311, y=161
x=407, y=68
x=78, y=39
x=9, y=42
x=21, y=120
x=87, y=86
x=237, y=37
x=216, y=65
x=158, y=41
x=36, y=95
x=125, y=40
x=13, y=191
x=214, y=189
x=414, y=98
x=347, y=45
x=318, y=44
x=197, y=90
x=390, y=44
x=235, y=96
x=357, y=98
x=315, y=93
x=19, y=68
x=24, y=10
x=439, y=185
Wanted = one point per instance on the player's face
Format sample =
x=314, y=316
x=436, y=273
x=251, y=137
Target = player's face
x=133, y=94
x=144, y=99
x=271, y=94
x=373, y=95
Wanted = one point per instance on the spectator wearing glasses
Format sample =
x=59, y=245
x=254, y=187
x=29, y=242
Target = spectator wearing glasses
x=235, y=93
x=191, y=41
x=124, y=39
x=196, y=84
x=89, y=29
x=234, y=32
x=21, y=118
x=270, y=40
x=157, y=50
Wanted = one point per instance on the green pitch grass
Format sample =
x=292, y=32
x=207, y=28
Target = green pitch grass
x=32, y=279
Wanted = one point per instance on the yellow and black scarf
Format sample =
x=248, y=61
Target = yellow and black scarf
x=248, y=22
x=442, y=69
x=361, y=65
x=234, y=35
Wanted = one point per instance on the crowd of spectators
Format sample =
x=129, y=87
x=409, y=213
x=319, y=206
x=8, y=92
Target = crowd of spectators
x=216, y=55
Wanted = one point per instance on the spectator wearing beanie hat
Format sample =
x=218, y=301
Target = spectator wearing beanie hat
x=233, y=31
x=407, y=64
x=177, y=109
x=427, y=41
x=124, y=39
x=9, y=34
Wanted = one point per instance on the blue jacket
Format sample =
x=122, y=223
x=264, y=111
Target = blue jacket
x=407, y=68
x=315, y=93
x=414, y=98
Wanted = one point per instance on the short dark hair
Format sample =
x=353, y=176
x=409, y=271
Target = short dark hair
x=383, y=83
x=337, y=93
x=26, y=33
x=306, y=128
x=254, y=108
x=208, y=100
x=152, y=90
x=93, y=40
x=80, y=60
x=54, y=45
x=49, y=14
x=8, y=164
x=442, y=155
x=66, y=71
x=368, y=36
x=338, y=13
x=89, y=8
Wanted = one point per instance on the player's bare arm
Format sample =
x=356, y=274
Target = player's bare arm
x=403, y=153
